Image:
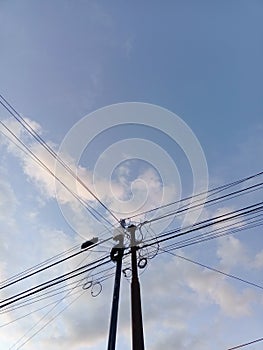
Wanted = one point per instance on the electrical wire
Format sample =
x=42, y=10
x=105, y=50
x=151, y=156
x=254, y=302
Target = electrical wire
x=32, y=268
x=51, y=265
x=41, y=141
x=213, y=269
x=53, y=282
x=26, y=303
x=207, y=203
x=60, y=279
x=44, y=166
x=35, y=299
x=246, y=344
x=213, y=236
x=27, y=314
x=62, y=289
x=226, y=232
x=46, y=324
x=219, y=232
x=38, y=138
x=209, y=222
x=43, y=263
x=210, y=192
x=57, y=303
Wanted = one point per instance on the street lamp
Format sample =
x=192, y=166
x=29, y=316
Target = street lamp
x=89, y=243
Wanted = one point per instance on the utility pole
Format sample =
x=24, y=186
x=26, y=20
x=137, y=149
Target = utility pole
x=116, y=255
x=136, y=308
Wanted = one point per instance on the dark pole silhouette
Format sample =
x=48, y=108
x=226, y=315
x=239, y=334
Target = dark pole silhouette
x=136, y=309
x=116, y=255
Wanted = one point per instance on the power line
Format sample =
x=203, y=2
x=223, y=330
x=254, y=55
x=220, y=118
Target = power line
x=41, y=141
x=207, y=203
x=53, y=282
x=44, y=166
x=220, y=232
x=22, y=273
x=60, y=278
x=28, y=314
x=60, y=312
x=69, y=293
x=209, y=222
x=210, y=192
x=36, y=298
x=213, y=269
x=62, y=289
x=54, y=302
x=102, y=279
x=49, y=260
x=51, y=265
x=246, y=344
x=38, y=138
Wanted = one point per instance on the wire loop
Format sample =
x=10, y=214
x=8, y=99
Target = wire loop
x=142, y=263
x=95, y=292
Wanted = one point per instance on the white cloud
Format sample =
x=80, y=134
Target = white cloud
x=258, y=263
x=231, y=252
x=8, y=206
x=8, y=202
x=210, y=287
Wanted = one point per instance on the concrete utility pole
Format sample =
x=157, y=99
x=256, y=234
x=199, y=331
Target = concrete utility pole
x=136, y=309
x=116, y=255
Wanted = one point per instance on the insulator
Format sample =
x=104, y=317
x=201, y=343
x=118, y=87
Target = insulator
x=127, y=272
x=142, y=263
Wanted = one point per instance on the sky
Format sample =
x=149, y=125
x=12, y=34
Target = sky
x=149, y=102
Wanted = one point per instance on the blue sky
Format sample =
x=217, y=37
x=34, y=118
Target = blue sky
x=61, y=61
